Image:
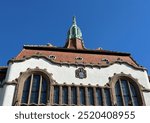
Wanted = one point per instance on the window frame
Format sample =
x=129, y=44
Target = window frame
x=131, y=80
x=22, y=79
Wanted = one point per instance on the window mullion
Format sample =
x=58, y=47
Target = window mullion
x=69, y=95
x=103, y=97
x=121, y=92
x=31, y=82
x=130, y=93
x=40, y=88
x=78, y=96
x=86, y=96
x=60, y=95
x=95, y=99
x=51, y=94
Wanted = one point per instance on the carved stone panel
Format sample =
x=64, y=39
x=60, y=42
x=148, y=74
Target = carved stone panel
x=80, y=73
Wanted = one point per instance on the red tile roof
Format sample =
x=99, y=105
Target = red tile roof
x=96, y=57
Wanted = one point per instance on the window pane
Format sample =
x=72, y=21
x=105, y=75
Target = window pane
x=133, y=90
x=82, y=96
x=26, y=90
x=134, y=95
x=56, y=94
x=74, y=95
x=126, y=94
x=35, y=89
x=65, y=95
x=43, y=99
x=99, y=96
x=125, y=89
x=135, y=101
x=118, y=94
x=107, y=96
x=90, y=96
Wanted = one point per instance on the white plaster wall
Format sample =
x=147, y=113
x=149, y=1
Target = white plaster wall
x=147, y=98
x=8, y=95
x=67, y=74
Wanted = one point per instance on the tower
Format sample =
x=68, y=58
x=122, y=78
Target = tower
x=74, y=37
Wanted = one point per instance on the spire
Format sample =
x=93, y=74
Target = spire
x=74, y=20
x=74, y=37
x=74, y=31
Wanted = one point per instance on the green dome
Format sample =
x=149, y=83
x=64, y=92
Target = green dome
x=74, y=31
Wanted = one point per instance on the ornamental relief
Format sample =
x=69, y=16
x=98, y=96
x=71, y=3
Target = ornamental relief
x=80, y=73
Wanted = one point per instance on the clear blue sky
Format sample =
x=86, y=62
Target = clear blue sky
x=119, y=25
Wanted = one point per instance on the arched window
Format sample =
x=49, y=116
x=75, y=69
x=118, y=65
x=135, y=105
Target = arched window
x=34, y=90
x=127, y=92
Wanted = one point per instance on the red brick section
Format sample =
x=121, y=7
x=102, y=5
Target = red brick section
x=88, y=58
x=74, y=44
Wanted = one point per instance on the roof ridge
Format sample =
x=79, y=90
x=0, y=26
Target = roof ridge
x=41, y=47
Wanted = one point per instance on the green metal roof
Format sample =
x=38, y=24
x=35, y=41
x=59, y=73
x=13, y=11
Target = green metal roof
x=74, y=31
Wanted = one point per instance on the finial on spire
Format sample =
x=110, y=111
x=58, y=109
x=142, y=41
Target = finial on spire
x=74, y=20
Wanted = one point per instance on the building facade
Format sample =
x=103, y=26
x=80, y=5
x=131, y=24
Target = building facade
x=73, y=75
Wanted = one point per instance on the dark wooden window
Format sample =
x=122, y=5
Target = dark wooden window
x=56, y=95
x=107, y=96
x=99, y=96
x=82, y=95
x=73, y=95
x=118, y=94
x=91, y=96
x=34, y=91
x=43, y=99
x=26, y=90
x=134, y=95
x=65, y=95
x=126, y=93
x=36, y=87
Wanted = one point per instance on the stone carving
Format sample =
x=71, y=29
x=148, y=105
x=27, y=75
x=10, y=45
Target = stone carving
x=80, y=73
